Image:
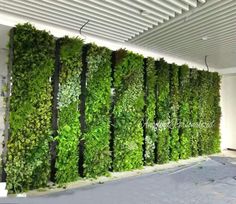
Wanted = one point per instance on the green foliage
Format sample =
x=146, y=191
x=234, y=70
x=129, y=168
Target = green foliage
x=194, y=111
x=30, y=105
x=98, y=100
x=210, y=113
x=184, y=113
x=204, y=112
x=215, y=140
x=128, y=111
x=163, y=111
x=174, y=112
x=68, y=110
x=151, y=135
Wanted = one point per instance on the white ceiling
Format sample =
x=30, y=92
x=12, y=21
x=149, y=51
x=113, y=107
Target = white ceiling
x=173, y=27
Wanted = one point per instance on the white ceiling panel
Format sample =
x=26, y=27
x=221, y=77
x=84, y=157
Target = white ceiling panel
x=187, y=29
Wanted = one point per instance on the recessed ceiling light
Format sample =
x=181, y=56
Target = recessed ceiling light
x=204, y=38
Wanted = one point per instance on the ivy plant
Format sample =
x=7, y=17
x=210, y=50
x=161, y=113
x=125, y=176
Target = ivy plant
x=128, y=111
x=30, y=109
x=97, y=158
x=69, y=132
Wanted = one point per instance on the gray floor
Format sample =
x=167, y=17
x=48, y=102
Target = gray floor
x=212, y=181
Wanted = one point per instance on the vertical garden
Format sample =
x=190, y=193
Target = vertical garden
x=80, y=110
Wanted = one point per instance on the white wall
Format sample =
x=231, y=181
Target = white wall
x=228, y=105
x=3, y=80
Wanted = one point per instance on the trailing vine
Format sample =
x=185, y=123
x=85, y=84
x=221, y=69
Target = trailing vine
x=174, y=111
x=30, y=109
x=128, y=111
x=68, y=110
x=151, y=135
x=163, y=111
x=184, y=113
x=98, y=100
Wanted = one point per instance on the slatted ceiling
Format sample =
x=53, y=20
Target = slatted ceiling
x=183, y=37
x=174, y=27
x=118, y=20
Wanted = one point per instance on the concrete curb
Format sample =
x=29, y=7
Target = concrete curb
x=119, y=175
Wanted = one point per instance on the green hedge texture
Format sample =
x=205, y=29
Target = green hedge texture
x=30, y=109
x=184, y=112
x=68, y=110
x=98, y=101
x=174, y=112
x=203, y=78
x=151, y=135
x=215, y=141
x=163, y=111
x=128, y=111
x=194, y=111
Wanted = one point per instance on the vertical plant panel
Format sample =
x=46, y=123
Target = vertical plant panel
x=128, y=111
x=68, y=106
x=194, y=111
x=97, y=158
x=184, y=113
x=30, y=109
x=151, y=135
x=163, y=111
x=174, y=112
x=215, y=144
x=203, y=112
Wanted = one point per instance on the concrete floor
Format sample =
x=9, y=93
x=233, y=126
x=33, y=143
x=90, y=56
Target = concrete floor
x=211, y=181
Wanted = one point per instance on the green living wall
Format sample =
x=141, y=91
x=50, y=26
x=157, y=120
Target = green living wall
x=184, y=113
x=28, y=155
x=215, y=141
x=128, y=111
x=209, y=113
x=102, y=101
x=151, y=136
x=163, y=111
x=194, y=111
x=68, y=110
x=97, y=158
x=174, y=112
x=204, y=112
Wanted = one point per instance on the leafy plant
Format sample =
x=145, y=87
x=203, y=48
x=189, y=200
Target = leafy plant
x=163, y=111
x=194, y=111
x=68, y=106
x=174, y=111
x=151, y=135
x=98, y=100
x=215, y=141
x=30, y=105
x=128, y=111
x=184, y=113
